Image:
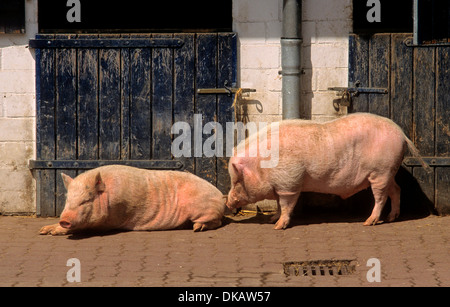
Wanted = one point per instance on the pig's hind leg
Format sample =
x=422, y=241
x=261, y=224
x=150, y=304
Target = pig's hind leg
x=380, y=188
x=394, y=195
x=207, y=225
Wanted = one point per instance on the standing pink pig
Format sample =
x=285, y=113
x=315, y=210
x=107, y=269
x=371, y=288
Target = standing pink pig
x=340, y=157
x=128, y=198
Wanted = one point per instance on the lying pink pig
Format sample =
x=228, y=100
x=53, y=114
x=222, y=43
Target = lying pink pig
x=128, y=198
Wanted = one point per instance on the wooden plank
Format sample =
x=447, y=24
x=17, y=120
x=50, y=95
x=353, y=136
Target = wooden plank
x=424, y=113
x=162, y=95
x=442, y=193
x=226, y=73
x=89, y=164
x=206, y=71
x=424, y=98
x=140, y=102
x=88, y=77
x=359, y=70
x=442, y=190
x=45, y=128
x=103, y=42
x=109, y=102
x=66, y=115
x=401, y=83
x=379, y=54
x=184, y=95
x=443, y=102
x=125, y=86
x=401, y=101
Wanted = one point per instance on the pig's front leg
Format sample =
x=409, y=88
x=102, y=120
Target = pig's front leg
x=286, y=204
x=54, y=230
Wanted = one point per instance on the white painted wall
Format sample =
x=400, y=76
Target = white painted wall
x=325, y=28
x=17, y=117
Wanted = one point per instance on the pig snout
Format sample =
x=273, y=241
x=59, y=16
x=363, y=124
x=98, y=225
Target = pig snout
x=232, y=202
x=67, y=220
x=64, y=224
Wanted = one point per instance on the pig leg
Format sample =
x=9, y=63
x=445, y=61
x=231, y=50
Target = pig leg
x=286, y=203
x=380, y=193
x=208, y=225
x=394, y=195
x=276, y=216
x=54, y=230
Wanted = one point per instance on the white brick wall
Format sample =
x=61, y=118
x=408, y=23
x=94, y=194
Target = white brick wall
x=258, y=24
x=325, y=28
x=17, y=117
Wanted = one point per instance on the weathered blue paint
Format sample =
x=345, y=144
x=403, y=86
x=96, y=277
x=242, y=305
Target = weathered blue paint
x=119, y=102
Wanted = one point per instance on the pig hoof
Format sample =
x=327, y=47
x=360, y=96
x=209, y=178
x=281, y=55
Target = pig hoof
x=199, y=227
x=275, y=218
x=54, y=230
x=281, y=224
x=392, y=217
x=372, y=222
x=46, y=230
x=208, y=225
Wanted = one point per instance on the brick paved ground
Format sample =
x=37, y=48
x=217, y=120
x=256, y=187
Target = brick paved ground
x=245, y=252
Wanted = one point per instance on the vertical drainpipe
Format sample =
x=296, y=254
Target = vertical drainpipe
x=290, y=58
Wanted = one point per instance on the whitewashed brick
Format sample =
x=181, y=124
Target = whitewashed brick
x=326, y=9
x=335, y=31
x=17, y=81
x=306, y=57
x=255, y=10
x=264, y=118
x=261, y=79
x=251, y=33
x=256, y=56
x=18, y=202
x=329, y=55
x=15, y=180
x=19, y=105
x=17, y=58
x=308, y=81
x=16, y=129
x=273, y=32
x=331, y=77
x=15, y=155
x=1, y=105
x=263, y=103
x=308, y=33
x=322, y=103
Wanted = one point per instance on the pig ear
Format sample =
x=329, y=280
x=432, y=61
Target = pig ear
x=238, y=169
x=99, y=184
x=66, y=179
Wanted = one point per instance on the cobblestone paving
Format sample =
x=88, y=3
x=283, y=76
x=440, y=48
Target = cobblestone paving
x=246, y=251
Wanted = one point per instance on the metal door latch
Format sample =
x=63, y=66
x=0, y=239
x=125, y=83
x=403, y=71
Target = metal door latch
x=346, y=93
x=225, y=90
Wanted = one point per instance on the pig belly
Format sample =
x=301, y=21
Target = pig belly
x=158, y=210
x=343, y=185
x=160, y=216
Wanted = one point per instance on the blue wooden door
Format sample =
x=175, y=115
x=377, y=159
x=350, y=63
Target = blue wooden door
x=417, y=80
x=110, y=99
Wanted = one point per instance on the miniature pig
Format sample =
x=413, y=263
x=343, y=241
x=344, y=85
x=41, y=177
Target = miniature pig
x=340, y=157
x=128, y=198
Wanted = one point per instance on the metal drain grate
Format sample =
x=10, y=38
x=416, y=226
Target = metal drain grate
x=319, y=268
